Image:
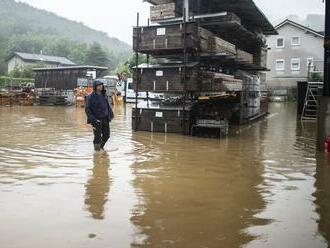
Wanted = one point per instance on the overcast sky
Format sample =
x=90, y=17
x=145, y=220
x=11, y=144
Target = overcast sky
x=117, y=17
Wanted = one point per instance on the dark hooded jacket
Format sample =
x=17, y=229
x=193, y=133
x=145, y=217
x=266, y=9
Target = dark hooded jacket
x=96, y=105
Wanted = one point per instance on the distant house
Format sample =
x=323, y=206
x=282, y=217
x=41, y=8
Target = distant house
x=25, y=59
x=293, y=53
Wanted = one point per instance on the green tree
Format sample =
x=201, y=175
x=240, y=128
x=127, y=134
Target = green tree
x=27, y=29
x=124, y=70
x=96, y=55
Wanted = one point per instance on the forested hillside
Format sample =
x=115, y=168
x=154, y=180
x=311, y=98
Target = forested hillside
x=26, y=29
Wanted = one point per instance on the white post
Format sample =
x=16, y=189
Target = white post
x=186, y=8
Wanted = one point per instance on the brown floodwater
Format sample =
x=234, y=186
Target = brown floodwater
x=263, y=186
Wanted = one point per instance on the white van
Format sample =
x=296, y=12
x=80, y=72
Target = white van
x=129, y=94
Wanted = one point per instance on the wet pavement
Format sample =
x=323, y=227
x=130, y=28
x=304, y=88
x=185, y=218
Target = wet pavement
x=264, y=186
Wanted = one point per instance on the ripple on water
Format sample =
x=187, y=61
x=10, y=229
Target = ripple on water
x=43, y=165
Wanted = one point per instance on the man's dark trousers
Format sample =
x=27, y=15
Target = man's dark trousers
x=101, y=131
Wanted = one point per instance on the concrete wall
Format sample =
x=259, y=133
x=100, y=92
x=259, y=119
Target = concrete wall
x=16, y=62
x=311, y=46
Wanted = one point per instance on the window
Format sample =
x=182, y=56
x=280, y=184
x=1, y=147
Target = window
x=295, y=64
x=295, y=41
x=280, y=42
x=280, y=65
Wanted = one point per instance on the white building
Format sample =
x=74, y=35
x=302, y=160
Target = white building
x=294, y=52
x=18, y=60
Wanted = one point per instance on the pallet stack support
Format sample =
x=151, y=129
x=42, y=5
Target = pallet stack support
x=211, y=55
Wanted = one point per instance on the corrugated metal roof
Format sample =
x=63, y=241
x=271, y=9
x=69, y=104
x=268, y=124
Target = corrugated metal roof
x=44, y=58
x=78, y=67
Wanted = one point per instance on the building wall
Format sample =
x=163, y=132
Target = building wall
x=16, y=61
x=311, y=46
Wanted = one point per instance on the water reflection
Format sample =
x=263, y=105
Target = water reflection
x=197, y=192
x=289, y=163
x=258, y=188
x=98, y=186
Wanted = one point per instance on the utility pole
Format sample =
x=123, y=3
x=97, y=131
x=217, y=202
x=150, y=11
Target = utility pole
x=327, y=50
x=324, y=102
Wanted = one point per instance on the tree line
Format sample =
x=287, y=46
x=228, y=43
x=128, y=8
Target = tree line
x=26, y=29
x=79, y=53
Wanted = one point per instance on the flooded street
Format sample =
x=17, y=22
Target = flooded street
x=264, y=186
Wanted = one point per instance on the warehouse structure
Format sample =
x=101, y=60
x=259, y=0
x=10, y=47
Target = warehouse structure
x=213, y=53
x=55, y=86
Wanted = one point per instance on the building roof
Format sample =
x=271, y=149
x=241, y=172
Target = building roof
x=42, y=58
x=300, y=26
x=77, y=67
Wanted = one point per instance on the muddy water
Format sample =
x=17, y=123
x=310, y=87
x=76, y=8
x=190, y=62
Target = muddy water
x=264, y=186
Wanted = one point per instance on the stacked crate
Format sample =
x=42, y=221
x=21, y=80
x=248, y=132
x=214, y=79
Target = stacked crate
x=200, y=63
x=165, y=11
x=164, y=119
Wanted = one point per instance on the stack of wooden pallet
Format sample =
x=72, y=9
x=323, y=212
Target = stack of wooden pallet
x=260, y=58
x=7, y=99
x=244, y=56
x=213, y=44
x=220, y=82
x=47, y=100
x=167, y=78
x=164, y=11
x=25, y=99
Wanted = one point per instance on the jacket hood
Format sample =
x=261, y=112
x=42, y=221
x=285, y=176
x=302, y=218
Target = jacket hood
x=96, y=83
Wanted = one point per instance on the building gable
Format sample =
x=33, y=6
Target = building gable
x=303, y=28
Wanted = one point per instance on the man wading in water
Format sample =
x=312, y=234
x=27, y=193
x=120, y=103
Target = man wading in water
x=99, y=114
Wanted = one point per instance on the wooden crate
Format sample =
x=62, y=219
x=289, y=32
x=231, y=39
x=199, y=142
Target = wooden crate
x=165, y=11
x=168, y=79
x=164, y=120
x=162, y=39
x=154, y=39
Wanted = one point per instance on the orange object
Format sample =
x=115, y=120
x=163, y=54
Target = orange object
x=80, y=95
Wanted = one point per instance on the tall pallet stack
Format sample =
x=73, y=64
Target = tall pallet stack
x=212, y=63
